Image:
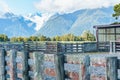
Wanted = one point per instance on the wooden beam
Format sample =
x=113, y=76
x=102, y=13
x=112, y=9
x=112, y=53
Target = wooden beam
x=59, y=65
x=2, y=64
x=13, y=66
x=112, y=68
x=86, y=73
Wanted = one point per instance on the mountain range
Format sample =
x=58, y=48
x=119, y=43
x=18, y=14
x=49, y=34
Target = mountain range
x=58, y=24
x=14, y=25
x=76, y=22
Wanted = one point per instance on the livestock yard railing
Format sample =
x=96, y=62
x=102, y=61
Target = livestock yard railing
x=65, y=47
x=57, y=61
x=114, y=47
x=103, y=46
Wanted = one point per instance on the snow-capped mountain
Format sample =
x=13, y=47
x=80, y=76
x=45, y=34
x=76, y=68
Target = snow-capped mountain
x=14, y=25
x=76, y=22
x=57, y=24
x=38, y=18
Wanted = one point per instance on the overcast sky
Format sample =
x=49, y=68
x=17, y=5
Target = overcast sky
x=25, y=7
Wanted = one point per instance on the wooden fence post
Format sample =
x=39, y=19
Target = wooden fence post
x=59, y=65
x=112, y=68
x=118, y=63
x=2, y=64
x=114, y=47
x=38, y=65
x=13, y=65
x=25, y=67
x=111, y=47
x=86, y=63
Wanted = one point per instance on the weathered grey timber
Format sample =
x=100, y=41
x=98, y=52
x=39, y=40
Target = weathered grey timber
x=13, y=65
x=103, y=46
x=86, y=66
x=25, y=66
x=90, y=47
x=2, y=64
x=76, y=67
x=25, y=63
x=112, y=68
x=59, y=65
x=118, y=66
x=38, y=56
x=114, y=47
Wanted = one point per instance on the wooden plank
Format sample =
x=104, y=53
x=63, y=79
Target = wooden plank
x=86, y=63
x=112, y=68
x=2, y=64
x=38, y=57
x=25, y=63
x=13, y=66
x=118, y=63
x=49, y=67
x=98, y=68
x=59, y=65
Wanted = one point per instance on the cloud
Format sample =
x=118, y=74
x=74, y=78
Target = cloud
x=68, y=6
x=4, y=7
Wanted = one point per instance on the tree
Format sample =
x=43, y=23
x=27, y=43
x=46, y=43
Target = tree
x=25, y=39
x=80, y=38
x=57, y=38
x=42, y=38
x=117, y=11
x=20, y=39
x=53, y=39
x=13, y=39
x=88, y=36
x=64, y=38
x=33, y=38
x=71, y=37
x=48, y=39
x=4, y=37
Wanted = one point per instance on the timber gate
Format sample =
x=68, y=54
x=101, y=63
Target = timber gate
x=57, y=61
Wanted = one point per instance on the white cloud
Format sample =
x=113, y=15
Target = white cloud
x=4, y=7
x=68, y=6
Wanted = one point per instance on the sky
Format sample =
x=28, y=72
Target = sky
x=24, y=7
x=20, y=7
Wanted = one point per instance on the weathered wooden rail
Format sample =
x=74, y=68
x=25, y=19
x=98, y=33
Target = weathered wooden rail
x=56, y=61
x=114, y=47
x=103, y=46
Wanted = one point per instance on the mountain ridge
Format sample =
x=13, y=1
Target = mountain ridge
x=76, y=22
x=57, y=24
x=14, y=25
